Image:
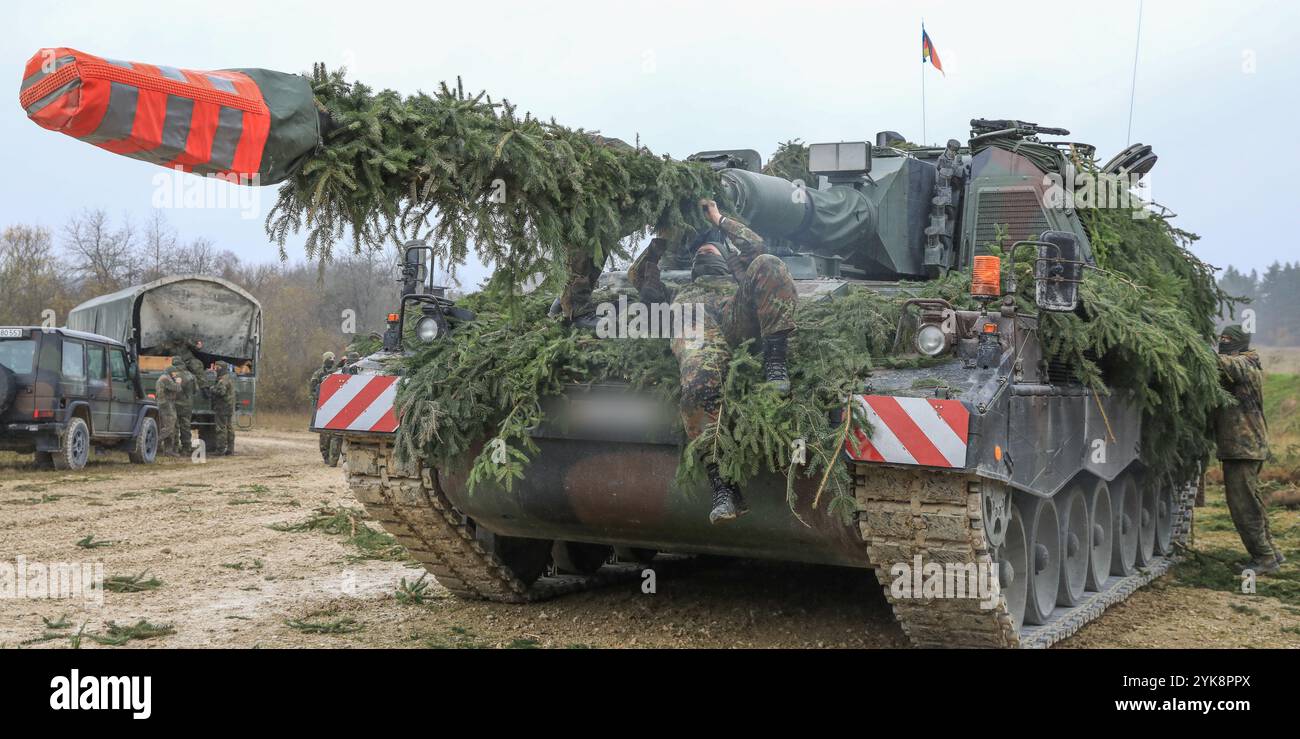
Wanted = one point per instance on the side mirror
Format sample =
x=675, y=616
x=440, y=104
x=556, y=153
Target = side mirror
x=1058, y=271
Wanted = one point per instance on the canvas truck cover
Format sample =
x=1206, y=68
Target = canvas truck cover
x=248, y=125
x=177, y=309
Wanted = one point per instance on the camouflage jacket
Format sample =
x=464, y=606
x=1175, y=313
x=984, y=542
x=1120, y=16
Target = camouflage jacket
x=1241, y=431
x=644, y=272
x=185, y=395
x=166, y=391
x=223, y=394
x=318, y=377
x=195, y=368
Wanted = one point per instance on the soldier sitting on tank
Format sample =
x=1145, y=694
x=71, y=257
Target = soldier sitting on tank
x=745, y=295
x=1241, y=434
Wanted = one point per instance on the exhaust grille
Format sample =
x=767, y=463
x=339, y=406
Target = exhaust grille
x=1017, y=210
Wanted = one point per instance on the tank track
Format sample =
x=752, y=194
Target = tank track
x=939, y=517
x=407, y=502
x=904, y=514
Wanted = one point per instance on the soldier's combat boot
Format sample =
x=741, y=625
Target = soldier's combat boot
x=585, y=322
x=774, y=349
x=1264, y=565
x=725, y=497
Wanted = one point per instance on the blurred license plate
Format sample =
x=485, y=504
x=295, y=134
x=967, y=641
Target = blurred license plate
x=10, y=333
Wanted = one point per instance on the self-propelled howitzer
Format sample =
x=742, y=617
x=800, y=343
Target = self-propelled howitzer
x=993, y=459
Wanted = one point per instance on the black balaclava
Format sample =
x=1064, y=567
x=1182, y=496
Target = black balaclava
x=1233, y=340
x=705, y=263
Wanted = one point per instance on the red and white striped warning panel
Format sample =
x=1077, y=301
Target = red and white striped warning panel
x=357, y=403
x=922, y=431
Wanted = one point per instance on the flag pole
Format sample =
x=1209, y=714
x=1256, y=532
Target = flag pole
x=923, y=136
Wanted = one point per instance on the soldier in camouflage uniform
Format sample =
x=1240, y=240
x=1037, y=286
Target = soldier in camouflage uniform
x=317, y=377
x=166, y=392
x=746, y=295
x=1241, y=434
x=223, y=406
x=184, y=405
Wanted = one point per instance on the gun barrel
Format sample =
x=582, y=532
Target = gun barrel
x=828, y=221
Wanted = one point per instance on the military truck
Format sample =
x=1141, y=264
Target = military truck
x=208, y=317
x=996, y=468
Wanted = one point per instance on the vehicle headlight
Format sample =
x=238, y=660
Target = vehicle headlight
x=427, y=329
x=931, y=340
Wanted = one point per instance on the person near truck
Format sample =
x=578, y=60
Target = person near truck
x=184, y=406
x=223, y=409
x=166, y=392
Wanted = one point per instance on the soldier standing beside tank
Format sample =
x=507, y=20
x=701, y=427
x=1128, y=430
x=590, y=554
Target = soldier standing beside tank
x=166, y=392
x=223, y=407
x=1241, y=434
x=317, y=377
x=745, y=295
x=184, y=405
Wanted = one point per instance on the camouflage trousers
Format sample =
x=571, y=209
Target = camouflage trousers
x=185, y=439
x=583, y=273
x=166, y=428
x=761, y=305
x=223, y=441
x=1249, y=515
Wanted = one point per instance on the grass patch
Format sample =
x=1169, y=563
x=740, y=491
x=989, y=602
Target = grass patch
x=116, y=635
x=413, y=593
x=47, y=498
x=31, y=488
x=90, y=542
x=256, y=564
x=350, y=523
x=315, y=623
x=131, y=583
x=61, y=623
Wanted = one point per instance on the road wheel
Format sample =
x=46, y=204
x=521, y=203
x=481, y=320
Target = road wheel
x=1043, y=530
x=145, y=448
x=74, y=448
x=579, y=558
x=526, y=558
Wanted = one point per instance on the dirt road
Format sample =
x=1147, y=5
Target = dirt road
x=228, y=579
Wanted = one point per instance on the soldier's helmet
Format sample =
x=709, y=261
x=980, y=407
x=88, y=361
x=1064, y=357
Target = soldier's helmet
x=354, y=357
x=327, y=357
x=222, y=368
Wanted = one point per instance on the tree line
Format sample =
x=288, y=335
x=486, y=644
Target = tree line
x=1274, y=296
x=306, y=308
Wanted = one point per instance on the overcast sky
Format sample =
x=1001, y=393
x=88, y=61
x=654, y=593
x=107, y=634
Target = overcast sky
x=1217, y=86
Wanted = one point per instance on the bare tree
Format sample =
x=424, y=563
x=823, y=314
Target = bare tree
x=197, y=257
x=29, y=273
x=101, y=255
x=158, y=252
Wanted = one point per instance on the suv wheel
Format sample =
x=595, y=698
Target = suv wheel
x=145, y=448
x=75, y=447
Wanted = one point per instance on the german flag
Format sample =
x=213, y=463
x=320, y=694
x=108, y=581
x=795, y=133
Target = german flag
x=928, y=52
